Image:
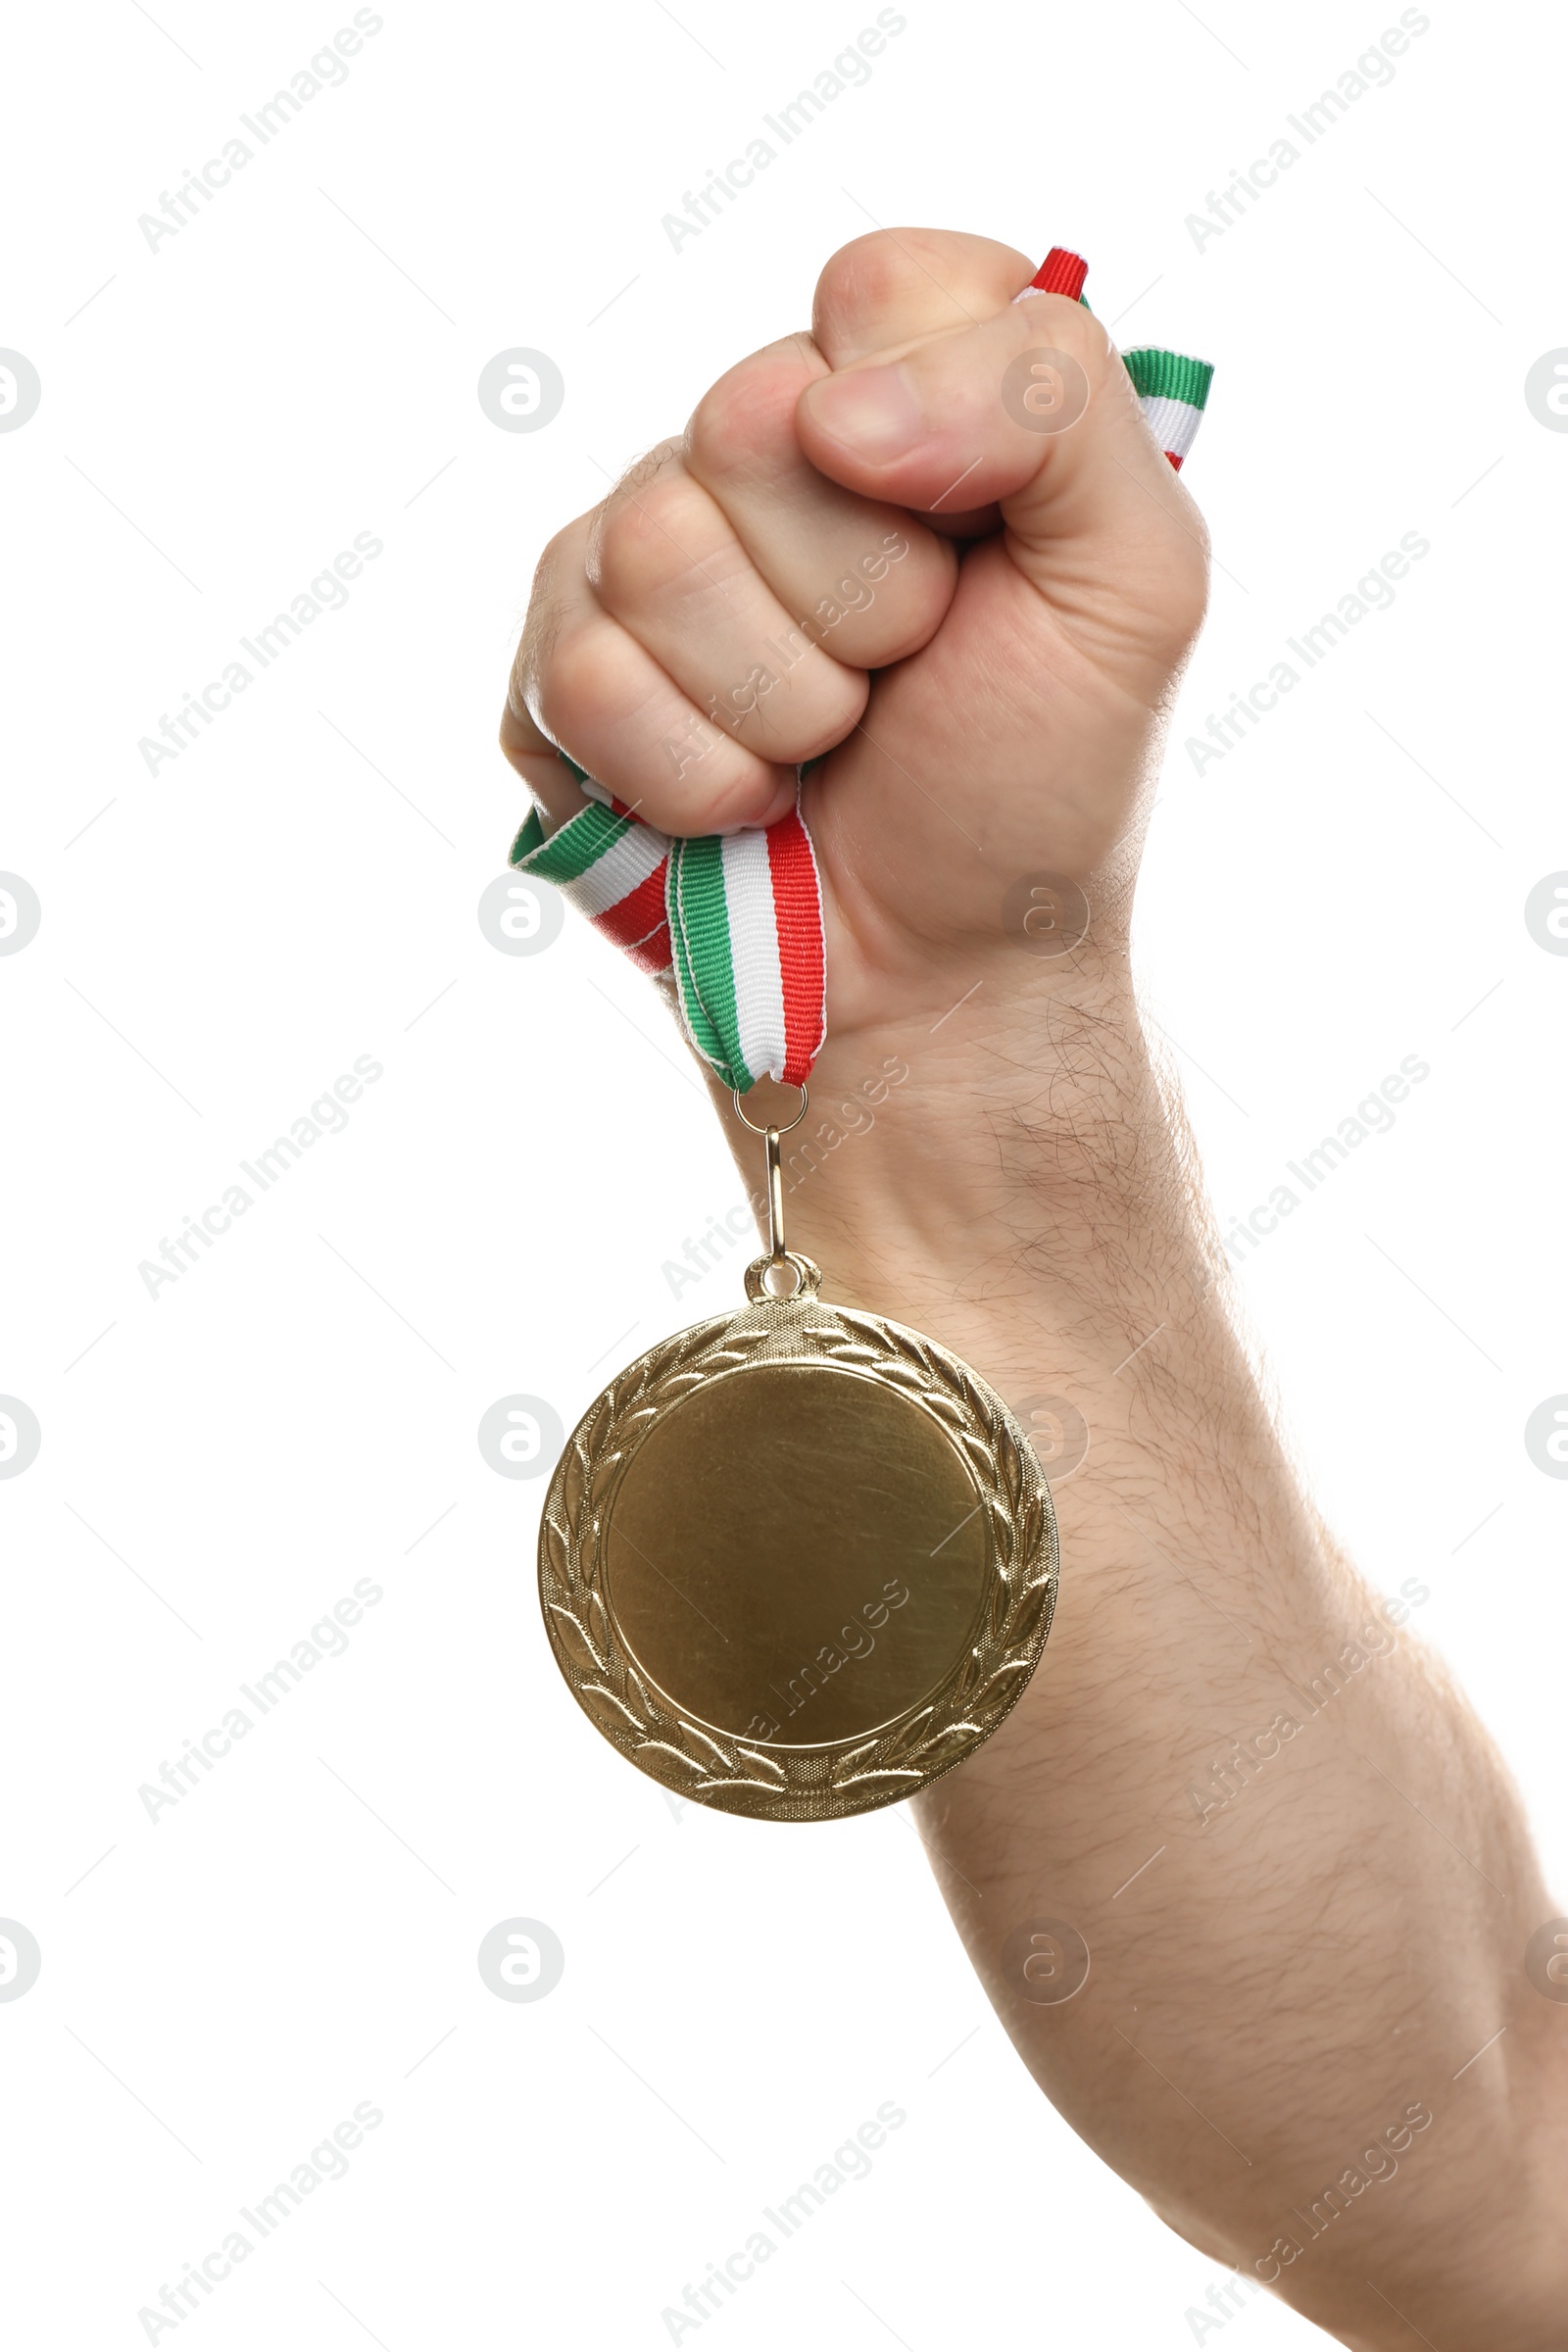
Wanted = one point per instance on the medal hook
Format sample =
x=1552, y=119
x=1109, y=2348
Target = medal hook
x=779, y=1254
x=775, y=1195
x=776, y=1251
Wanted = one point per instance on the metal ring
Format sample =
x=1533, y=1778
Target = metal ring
x=751, y=1123
x=807, y=1278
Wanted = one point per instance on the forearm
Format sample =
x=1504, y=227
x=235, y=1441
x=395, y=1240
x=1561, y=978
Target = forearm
x=1301, y=1874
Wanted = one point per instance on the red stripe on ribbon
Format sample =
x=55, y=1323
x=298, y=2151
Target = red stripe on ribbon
x=1061, y=272
x=797, y=919
x=1174, y=459
x=639, y=913
x=653, y=955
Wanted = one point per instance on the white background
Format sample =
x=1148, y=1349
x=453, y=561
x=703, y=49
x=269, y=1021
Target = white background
x=221, y=1463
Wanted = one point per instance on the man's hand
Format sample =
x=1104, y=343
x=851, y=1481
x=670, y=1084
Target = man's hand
x=1305, y=1886
x=786, y=581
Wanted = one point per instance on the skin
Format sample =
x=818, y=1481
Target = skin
x=1311, y=1960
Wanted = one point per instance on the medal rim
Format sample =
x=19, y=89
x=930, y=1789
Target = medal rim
x=776, y=1780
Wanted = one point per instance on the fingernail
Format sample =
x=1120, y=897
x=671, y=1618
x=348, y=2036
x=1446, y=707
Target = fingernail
x=768, y=813
x=872, y=411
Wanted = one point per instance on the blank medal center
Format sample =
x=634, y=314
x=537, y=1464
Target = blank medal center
x=796, y=1554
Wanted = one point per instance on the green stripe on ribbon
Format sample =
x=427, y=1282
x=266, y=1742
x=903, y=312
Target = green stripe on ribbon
x=699, y=1028
x=530, y=838
x=704, y=970
x=580, y=843
x=1169, y=375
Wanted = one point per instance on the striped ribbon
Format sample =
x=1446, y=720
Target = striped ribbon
x=738, y=918
x=1171, y=390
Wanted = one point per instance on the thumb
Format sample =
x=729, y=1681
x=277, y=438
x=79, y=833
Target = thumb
x=1034, y=409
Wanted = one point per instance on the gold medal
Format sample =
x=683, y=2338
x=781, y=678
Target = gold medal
x=797, y=1561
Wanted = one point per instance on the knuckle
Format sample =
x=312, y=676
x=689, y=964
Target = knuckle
x=743, y=419
x=1190, y=601
x=914, y=280
x=1065, y=324
x=643, y=545
x=633, y=552
x=645, y=470
x=863, y=277
x=550, y=575
x=561, y=563
x=565, y=684
x=1182, y=598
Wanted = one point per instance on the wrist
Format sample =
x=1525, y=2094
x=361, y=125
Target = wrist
x=1038, y=1119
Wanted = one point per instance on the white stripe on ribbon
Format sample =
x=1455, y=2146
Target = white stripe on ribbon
x=753, y=950
x=1174, y=423
x=625, y=864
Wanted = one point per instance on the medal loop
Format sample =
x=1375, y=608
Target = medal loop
x=808, y=1277
x=789, y=1125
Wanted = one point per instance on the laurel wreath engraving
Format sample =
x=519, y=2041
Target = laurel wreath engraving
x=777, y=1782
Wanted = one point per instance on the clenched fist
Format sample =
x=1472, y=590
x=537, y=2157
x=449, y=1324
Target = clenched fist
x=864, y=546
